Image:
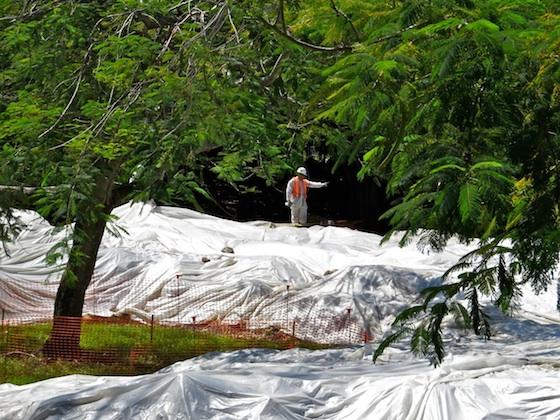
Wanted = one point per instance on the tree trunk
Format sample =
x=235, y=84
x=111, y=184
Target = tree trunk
x=64, y=339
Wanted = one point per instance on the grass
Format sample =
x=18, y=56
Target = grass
x=123, y=349
x=26, y=369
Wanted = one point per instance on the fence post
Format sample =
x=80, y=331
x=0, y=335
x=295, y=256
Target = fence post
x=177, y=303
x=93, y=298
x=558, y=294
x=287, y=307
x=349, y=310
x=4, y=335
x=5, y=346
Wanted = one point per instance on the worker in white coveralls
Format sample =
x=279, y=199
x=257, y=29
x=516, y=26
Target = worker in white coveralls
x=296, y=195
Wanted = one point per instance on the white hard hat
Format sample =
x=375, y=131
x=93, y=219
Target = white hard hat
x=301, y=170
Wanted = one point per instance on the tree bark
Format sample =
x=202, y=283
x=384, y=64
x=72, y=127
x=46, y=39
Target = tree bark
x=79, y=270
x=64, y=339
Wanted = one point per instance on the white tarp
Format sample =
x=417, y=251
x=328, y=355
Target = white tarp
x=298, y=384
x=329, y=270
x=513, y=376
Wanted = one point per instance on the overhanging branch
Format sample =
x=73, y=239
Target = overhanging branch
x=24, y=190
x=398, y=33
x=17, y=197
x=302, y=43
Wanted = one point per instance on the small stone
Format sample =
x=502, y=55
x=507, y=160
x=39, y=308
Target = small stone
x=227, y=249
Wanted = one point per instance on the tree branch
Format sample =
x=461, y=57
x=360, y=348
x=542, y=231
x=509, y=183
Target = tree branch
x=24, y=190
x=48, y=130
x=396, y=34
x=19, y=197
x=233, y=26
x=79, y=80
x=281, y=16
x=176, y=28
x=313, y=47
x=31, y=14
x=275, y=72
x=347, y=19
x=217, y=20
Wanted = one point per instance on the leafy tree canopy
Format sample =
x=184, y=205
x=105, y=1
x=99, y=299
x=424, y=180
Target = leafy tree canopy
x=453, y=103
x=456, y=105
x=107, y=101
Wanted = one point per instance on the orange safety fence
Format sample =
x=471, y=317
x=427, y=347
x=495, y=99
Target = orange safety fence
x=193, y=320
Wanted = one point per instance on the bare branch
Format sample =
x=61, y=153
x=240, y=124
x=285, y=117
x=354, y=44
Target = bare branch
x=128, y=21
x=72, y=78
x=169, y=133
x=275, y=72
x=78, y=81
x=233, y=26
x=176, y=28
x=80, y=75
x=132, y=94
x=76, y=89
x=31, y=14
x=58, y=146
x=181, y=5
x=98, y=126
x=396, y=34
x=25, y=190
x=216, y=22
x=340, y=48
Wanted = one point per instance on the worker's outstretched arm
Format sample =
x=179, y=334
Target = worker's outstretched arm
x=313, y=184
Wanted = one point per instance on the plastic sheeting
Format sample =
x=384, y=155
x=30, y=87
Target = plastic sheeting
x=329, y=269
x=298, y=384
x=513, y=376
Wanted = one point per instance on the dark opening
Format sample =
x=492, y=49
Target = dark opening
x=345, y=202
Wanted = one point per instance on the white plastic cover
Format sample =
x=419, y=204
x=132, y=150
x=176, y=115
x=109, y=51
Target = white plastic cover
x=298, y=384
x=513, y=376
x=329, y=270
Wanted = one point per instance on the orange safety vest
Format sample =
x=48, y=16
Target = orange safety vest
x=296, y=190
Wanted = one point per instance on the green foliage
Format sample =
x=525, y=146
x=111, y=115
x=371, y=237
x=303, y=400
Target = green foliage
x=125, y=84
x=455, y=105
x=104, y=102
